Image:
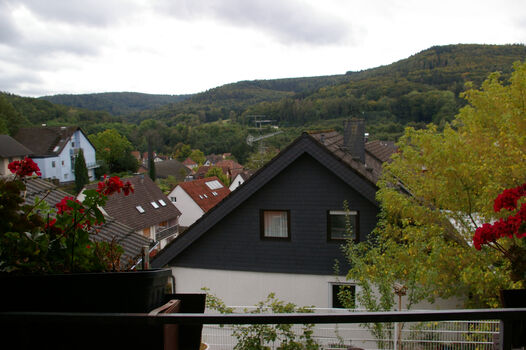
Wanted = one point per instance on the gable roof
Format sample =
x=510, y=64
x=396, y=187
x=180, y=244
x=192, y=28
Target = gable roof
x=125, y=236
x=171, y=167
x=326, y=149
x=47, y=141
x=204, y=196
x=376, y=153
x=9, y=147
x=123, y=208
x=189, y=161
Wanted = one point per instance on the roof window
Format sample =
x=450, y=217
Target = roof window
x=154, y=204
x=139, y=209
x=163, y=203
x=214, y=193
x=214, y=185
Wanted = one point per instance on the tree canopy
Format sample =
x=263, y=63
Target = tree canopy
x=115, y=150
x=439, y=187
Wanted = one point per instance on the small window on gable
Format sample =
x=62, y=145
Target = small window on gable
x=163, y=203
x=53, y=164
x=62, y=162
x=343, y=296
x=173, y=199
x=275, y=224
x=154, y=204
x=342, y=225
x=139, y=209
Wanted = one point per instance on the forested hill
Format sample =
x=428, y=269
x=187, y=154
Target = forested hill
x=116, y=103
x=413, y=89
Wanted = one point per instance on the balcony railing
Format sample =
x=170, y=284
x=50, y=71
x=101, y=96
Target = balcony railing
x=505, y=316
x=167, y=232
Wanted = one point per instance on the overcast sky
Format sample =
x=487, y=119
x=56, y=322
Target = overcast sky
x=188, y=46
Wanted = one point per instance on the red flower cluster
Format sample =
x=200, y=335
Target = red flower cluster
x=513, y=225
x=508, y=198
x=63, y=206
x=112, y=185
x=25, y=167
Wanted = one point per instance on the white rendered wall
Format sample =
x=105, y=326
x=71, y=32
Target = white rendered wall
x=189, y=209
x=241, y=288
x=248, y=288
x=238, y=180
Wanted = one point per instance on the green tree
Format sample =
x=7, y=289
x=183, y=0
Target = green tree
x=81, y=171
x=151, y=168
x=10, y=119
x=439, y=187
x=197, y=156
x=216, y=171
x=114, y=149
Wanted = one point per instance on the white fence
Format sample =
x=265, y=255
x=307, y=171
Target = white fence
x=447, y=335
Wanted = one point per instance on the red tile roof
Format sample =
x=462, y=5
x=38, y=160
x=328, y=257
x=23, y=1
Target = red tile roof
x=202, y=194
x=189, y=161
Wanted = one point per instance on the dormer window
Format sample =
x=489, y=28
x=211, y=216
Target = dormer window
x=139, y=209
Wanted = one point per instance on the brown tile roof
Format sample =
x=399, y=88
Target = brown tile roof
x=189, y=161
x=45, y=141
x=125, y=236
x=9, y=147
x=376, y=152
x=171, y=167
x=202, y=194
x=123, y=208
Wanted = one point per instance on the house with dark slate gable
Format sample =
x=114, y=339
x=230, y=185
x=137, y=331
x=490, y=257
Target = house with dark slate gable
x=282, y=231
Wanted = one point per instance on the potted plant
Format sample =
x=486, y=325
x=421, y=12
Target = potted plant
x=507, y=235
x=48, y=261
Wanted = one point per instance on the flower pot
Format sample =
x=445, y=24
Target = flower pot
x=110, y=292
x=105, y=292
x=512, y=298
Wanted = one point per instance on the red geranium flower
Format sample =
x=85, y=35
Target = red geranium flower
x=25, y=167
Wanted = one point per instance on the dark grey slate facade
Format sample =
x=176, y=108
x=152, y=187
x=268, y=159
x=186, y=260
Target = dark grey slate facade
x=308, y=190
x=307, y=180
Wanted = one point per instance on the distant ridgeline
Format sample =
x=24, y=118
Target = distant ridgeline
x=414, y=91
x=116, y=103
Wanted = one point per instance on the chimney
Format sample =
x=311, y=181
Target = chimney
x=354, y=138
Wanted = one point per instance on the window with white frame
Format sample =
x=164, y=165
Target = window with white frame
x=343, y=295
x=275, y=224
x=342, y=225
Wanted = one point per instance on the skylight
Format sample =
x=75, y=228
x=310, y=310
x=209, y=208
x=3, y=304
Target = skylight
x=214, y=185
x=56, y=148
x=163, y=203
x=139, y=209
x=205, y=195
x=154, y=204
x=214, y=193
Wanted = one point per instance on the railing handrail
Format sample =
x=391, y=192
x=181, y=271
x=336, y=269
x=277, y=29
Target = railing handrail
x=507, y=314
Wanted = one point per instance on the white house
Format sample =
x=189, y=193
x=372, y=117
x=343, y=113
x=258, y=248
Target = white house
x=54, y=149
x=194, y=198
x=238, y=180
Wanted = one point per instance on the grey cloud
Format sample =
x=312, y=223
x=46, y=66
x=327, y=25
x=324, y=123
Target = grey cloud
x=80, y=12
x=8, y=30
x=290, y=21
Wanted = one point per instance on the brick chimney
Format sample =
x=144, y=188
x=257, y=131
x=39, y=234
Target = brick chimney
x=354, y=138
